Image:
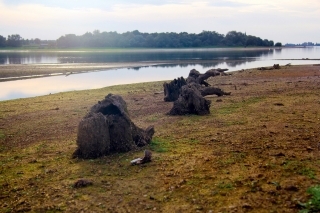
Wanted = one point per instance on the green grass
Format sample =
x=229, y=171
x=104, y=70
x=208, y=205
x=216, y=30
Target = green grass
x=152, y=118
x=223, y=185
x=300, y=168
x=233, y=107
x=232, y=159
x=313, y=205
x=306, y=171
x=2, y=135
x=159, y=145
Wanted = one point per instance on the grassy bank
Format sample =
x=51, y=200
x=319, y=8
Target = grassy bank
x=257, y=151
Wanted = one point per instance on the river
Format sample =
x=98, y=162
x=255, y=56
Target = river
x=202, y=60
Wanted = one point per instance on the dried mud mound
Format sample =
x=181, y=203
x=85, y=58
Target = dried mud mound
x=107, y=129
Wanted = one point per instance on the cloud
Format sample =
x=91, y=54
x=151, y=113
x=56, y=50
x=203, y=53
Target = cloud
x=272, y=19
x=37, y=15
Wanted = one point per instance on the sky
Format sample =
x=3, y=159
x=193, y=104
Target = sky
x=286, y=21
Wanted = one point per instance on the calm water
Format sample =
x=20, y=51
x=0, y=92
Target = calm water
x=224, y=58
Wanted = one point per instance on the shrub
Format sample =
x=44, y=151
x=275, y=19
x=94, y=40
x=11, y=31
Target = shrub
x=313, y=205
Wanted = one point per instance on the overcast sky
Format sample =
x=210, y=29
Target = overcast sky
x=286, y=21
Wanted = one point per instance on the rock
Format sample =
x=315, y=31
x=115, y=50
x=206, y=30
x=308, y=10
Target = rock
x=246, y=206
x=291, y=188
x=309, y=148
x=279, y=154
x=82, y=183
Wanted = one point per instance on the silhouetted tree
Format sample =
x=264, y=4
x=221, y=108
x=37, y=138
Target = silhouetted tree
x=14, y=40
x=209, y=38
x=278, y=44
x=37, y=41
x=234, y=38
x=2, y=41
x=69, y=40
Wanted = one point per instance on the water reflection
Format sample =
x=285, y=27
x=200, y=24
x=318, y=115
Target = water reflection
x=208, y=65
x=162, y=56
x=107, y=57
x=46, y=85
x=25, y=57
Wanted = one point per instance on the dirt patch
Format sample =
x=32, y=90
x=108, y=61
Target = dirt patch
x=257, y=150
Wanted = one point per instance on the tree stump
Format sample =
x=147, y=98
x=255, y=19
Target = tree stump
x=93, y=137
x=276, y=66
x=190, y=98
x=190, y=101
x=172, y=90
x=107, y=128
x=196, y=77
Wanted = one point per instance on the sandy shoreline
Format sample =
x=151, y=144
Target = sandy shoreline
x=21, y=71
x=10, y=72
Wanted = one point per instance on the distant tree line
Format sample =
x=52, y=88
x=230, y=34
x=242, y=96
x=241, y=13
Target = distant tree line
x=161, y=40
x=15, y=40
x=12, y=41
x=140, y=40
x=302, y=44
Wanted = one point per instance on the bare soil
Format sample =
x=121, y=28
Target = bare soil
x=257, y=151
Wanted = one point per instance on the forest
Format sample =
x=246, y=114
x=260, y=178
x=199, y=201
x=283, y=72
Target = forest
x=136, y=39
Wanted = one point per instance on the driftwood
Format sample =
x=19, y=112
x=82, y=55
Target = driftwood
x=145, y=159
x=191, y=92
x=107, y=128
x=275, y=66
x=213, y=91
x=265, y=68
x=196, y=77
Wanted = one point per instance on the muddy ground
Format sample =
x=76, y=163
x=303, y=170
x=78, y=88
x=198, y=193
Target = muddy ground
x=257, y=151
